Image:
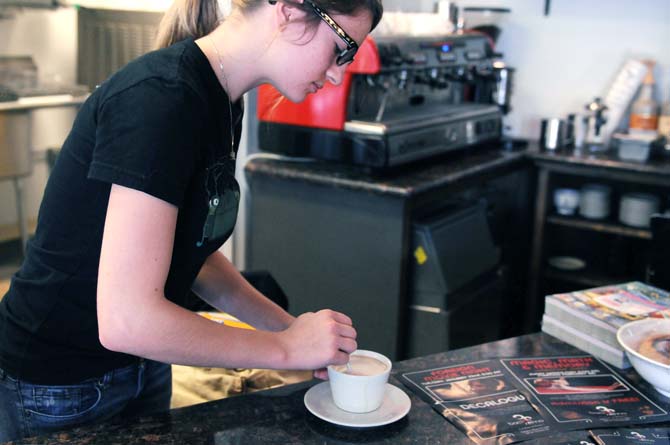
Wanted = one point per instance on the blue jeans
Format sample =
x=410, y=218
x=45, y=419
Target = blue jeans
x=28, y=410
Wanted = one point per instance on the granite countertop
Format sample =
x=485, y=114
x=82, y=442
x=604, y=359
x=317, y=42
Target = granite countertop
x=279, y=416
x=446, y=170
x=405, y=181
x=608, y=160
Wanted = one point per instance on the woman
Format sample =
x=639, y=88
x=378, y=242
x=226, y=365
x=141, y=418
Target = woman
x=139, y=201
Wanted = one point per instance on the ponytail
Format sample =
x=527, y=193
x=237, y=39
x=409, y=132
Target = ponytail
x=187, y=18
x=197, y=18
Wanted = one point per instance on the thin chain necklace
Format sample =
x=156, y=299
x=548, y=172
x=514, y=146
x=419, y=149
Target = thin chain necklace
x=230, y=106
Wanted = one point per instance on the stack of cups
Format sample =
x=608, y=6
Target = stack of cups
x=636, y=209
x=595, y=201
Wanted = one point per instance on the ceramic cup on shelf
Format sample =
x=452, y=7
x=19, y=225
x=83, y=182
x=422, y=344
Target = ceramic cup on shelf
x=595, y=201
x=359, y=387
x=566, y=201
x=635, y=209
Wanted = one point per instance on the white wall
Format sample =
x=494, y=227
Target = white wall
x=567, y=58
x=562, y=60
x=571, y=56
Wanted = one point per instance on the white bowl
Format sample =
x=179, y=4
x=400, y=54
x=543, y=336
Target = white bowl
x=632, y=335
x=566, y=201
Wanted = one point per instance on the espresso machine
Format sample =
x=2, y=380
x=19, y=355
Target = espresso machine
x=403, y=99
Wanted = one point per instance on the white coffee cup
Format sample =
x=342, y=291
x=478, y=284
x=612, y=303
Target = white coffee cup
x=358, y=393
x=566, y=201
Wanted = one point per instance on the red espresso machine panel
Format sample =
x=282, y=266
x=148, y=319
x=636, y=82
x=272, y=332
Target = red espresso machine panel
x=328, y=108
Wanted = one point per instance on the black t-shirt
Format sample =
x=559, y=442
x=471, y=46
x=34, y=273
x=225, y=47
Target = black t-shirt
x=160, y=125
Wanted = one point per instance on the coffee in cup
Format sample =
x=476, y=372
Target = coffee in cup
x=362, y=365
x=361, y=386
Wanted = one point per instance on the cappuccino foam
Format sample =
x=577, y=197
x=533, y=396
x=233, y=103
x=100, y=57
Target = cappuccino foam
x=363, y=366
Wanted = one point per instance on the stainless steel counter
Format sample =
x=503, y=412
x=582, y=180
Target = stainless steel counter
x=15, y=143
x=31, y=103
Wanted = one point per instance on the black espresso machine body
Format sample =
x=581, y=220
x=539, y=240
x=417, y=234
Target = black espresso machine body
x=403, y=99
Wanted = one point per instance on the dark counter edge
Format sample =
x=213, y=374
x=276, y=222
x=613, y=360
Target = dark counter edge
x=445, y=170
x=198, y=422
x=401, y=182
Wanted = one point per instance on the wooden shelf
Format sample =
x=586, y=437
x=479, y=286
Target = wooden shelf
x=599, y=226
x=583, y=277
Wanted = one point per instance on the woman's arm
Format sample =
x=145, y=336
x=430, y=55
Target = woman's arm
x=221, y=285
x=134, y=316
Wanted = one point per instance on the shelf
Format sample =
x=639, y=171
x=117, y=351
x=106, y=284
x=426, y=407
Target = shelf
x=585, y=278
x=599, y=226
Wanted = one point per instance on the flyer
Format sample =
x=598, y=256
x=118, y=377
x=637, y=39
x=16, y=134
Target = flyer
x=481, y=400
x=582, y=392
x=565, y=438
x=585, y=439
x=632, y=436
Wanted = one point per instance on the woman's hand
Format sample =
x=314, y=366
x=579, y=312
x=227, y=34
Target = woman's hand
x=316, y=340
x=321, y=374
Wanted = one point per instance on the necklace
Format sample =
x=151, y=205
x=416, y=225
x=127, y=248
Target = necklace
x=230, y=106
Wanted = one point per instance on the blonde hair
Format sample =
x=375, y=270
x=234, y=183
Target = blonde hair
x=187, y=18
x=197, y=18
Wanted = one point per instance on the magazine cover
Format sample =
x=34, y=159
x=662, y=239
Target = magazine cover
x=652, y=293
x=629, y=436
x=582, y=392
x=618, y=304
x=599, y=312
x=481, y=400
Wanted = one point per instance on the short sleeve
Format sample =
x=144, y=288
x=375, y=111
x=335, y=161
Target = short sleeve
x=147, y=138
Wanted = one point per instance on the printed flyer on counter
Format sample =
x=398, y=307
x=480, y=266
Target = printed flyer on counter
x=632, y=436
x=585, y=439
x=582, y=392
x=481, y=399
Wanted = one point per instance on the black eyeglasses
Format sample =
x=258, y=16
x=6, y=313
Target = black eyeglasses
x=347, y=54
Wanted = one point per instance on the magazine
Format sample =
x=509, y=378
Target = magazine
x=582, y=392
x=603, y=351
x=481, y=400
x=599, y=312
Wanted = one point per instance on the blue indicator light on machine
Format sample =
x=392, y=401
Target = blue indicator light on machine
x=446, y=48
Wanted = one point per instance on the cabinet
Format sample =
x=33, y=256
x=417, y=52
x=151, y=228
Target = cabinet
x=613, y=252
x=336, y=237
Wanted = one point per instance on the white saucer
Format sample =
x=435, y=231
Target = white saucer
x=319, y=401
